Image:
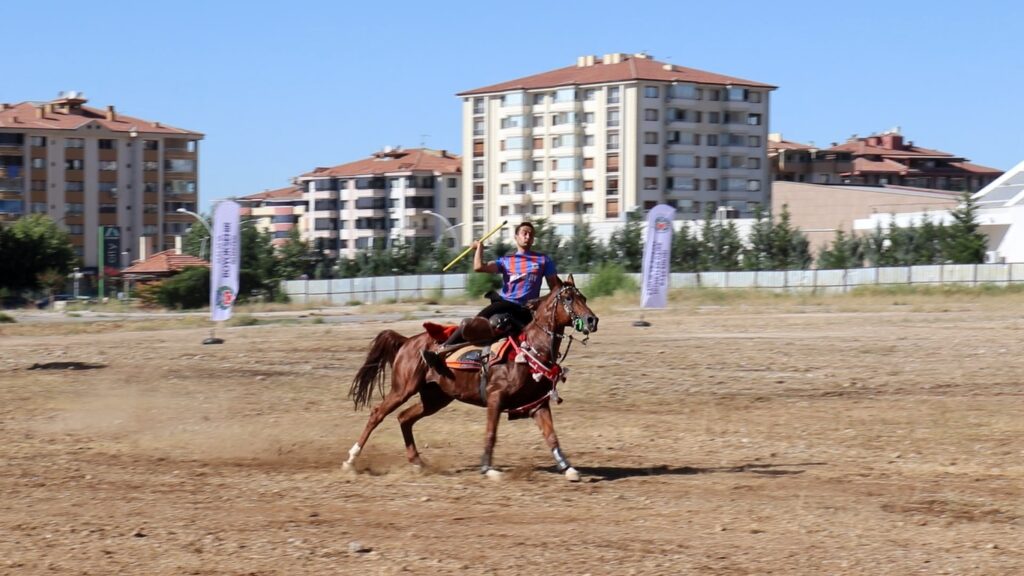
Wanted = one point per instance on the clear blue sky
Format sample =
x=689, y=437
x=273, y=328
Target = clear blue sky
x=279, y=88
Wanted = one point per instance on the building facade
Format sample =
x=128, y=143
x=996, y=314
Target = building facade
x=395, y=195
x=612, y=134
x=877, y=160
x=87, y=168
x=276, y=212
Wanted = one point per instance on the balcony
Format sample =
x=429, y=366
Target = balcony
x=12, y=184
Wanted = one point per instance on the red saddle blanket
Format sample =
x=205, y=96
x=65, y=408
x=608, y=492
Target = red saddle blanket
x=469, y=358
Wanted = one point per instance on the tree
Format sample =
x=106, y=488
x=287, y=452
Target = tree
x=845, y=252
x=294, y=257
x=964, y=243
x=790, y=249
x=626, y=243
x=257, y=263
x=928, y=241
x=758, y=253
x=685, y=250
x=874, y=247
x=545, y=240
x=582, y=251
x=197, y=241
x=29, y=247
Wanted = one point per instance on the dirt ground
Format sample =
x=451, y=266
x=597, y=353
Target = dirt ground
x=770, y=436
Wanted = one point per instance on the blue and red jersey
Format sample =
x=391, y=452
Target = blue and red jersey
x=522, y=275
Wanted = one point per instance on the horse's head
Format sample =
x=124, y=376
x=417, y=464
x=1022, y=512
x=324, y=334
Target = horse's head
x=566, y=306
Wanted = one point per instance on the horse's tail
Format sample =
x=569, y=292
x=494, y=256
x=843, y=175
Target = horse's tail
x=382, y=352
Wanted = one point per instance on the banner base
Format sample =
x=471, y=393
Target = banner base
x=212, y=340
x=643, y=323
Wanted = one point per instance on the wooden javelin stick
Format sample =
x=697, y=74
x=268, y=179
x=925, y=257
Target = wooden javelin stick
x=467, y=250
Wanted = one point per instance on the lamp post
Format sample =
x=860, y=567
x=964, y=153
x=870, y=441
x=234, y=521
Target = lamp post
x=201, y=221
x=449, y=225
x=125, y=260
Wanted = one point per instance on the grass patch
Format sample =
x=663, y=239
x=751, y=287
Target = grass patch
x=243, y=320
x=6, y=319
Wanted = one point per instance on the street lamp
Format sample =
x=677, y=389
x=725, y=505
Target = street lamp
x=445, y=221
x=201, y=221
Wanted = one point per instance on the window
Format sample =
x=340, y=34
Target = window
x=73, y=164
x=754, y=119
x=38, y=185
x=108, y=208
x=565, y=95
x=478, y=127
x=505, y=189
x=755, y=185
x=105, y=144
x=588, y=185
x=714, y=117
x=150, y=144
x=590, y=94
x=612, y=163
x=650, y=137
x=753, y=163
x=538, y=98
x=613, y=95
x=38, y=207
x=753, y=96
x=478, y=169
x=612, y=186
x=74, y=186
x=453, y=202
x=514, y=99
x=684, y=92
x=75, y=229
x=537, y=121
x=588, y=139
x=682, y=161
x=512, y=122
x=39, y=162
x=651, y=114
x=108, y=165
x=588, y=117
x=613, y=117
x=108, y=187
x=567, y=186
x=512, y=166
x=650, y=183
x=613, y=140
x=150, y=166
x=651, y=160
x=611, y=209
x=452, y=182
x=503, y=211
x=711, y=184
x=538, y=165
x=754, y=141
x=712, y=161
x=650, y=91
x=37, y=141
x=73, y=207
x=588, y=163
x=515, y=143
x=74, y=143
x=712, y=140
x=478, y=105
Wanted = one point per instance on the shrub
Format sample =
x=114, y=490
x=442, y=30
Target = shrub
x=189, y=289
x=478, y=284
x=608, y=279
x=4, y=318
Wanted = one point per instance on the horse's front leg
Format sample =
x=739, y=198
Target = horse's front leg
x=542, y=416
x=491, y=435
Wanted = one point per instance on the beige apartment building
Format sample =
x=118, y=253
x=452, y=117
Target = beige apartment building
x=608, y=135
x=276, y=212
x=87, y=168
x=395, y=195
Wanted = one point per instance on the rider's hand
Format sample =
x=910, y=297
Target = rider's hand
x=475, y=245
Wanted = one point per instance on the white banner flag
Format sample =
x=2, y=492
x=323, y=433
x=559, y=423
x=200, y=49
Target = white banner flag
x=225, y=255
x=657, y=252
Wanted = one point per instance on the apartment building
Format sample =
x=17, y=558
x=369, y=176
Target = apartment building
x=876, y=160
x=87, y=167
x=609, y=135
x=277, y=212
x=394, y=195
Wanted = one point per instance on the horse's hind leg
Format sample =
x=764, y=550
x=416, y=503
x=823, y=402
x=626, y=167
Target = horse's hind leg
x=395, y=398
x=546, y=424
x=432, y=399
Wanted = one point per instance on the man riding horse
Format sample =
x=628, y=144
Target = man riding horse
x=521, y=275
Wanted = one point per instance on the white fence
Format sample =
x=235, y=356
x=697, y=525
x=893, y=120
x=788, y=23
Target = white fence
x=433, y=286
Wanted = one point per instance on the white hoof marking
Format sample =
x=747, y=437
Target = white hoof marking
x=494, y=474
x=572, y=475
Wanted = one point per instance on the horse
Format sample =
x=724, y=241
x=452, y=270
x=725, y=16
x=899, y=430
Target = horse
x=522, y=384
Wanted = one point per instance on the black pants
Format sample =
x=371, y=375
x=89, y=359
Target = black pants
x=520, y=315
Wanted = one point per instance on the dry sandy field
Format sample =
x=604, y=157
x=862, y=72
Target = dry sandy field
x=879, y=434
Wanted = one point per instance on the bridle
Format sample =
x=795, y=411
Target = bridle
x=564, y=297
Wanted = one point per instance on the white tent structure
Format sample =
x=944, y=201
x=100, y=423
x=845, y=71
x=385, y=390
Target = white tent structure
x=1000, y=214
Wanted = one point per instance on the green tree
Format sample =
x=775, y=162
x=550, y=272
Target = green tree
x=29, y=247
x=964, y=242
x=874, y=247
x=546, y=241
x=197, y=241
x=844, y=252
x=294, y=257
x=257, y=263
x=790, y=249
x=188, y=289
x=899, y=250
x=626, y=244
x=928, y=241
x=686, y=248
x=757, y=255
x=582, y=250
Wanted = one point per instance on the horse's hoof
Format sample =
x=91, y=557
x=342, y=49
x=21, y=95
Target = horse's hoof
x=572, y=475
x=417, y=468
x=348, y=467
x=494, y=474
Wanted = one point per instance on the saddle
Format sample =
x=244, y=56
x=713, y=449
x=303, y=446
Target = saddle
x=473, y=357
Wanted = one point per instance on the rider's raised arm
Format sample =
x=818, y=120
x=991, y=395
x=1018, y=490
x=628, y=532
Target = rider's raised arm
x=478, y=260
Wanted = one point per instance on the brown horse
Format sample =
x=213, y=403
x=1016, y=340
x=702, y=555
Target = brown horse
x=522, y=384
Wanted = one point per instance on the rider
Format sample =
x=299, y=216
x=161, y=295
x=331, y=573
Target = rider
x=521, y=275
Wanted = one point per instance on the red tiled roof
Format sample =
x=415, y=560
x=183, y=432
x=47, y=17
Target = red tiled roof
x=977, y=168
x=630, y=68
x=882, y=166
x=289, y=193
x=26, y=115
x=411, y=160
x=165, y=262
x=861, y=147
x=787, y=145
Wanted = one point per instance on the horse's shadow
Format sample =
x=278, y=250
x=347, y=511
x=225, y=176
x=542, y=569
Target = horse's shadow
x=612, y=473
